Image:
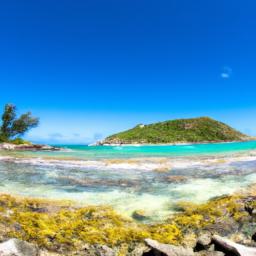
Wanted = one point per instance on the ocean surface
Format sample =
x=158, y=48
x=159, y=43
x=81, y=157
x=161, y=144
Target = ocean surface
x=130, y=178
x=101, y=152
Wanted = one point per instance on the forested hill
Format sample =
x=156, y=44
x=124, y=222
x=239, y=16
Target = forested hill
x=202, y=129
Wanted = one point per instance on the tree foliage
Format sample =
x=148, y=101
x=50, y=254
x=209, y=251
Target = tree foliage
x=13, y=126
x=202, y=129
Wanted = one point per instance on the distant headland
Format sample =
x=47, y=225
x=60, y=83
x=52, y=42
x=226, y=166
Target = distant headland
x=192, y=130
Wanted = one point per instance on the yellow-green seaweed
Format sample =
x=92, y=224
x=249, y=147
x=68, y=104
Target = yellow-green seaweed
x=62, y=227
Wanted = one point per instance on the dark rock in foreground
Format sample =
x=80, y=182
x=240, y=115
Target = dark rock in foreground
x=167, y=249
x=209, y=246
x=232, y=248
x=214, y=246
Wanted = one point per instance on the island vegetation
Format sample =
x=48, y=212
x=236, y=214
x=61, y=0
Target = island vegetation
x=196, y=130
x=12, y=127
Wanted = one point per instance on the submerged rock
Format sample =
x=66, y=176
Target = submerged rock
x=162, y=169
x=140, y=215
x=88, y=182
x=36, y=147
x=16, y=247
x=176, y=179
x=167, y=249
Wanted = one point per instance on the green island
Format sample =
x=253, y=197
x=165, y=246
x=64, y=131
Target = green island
x=195, y=130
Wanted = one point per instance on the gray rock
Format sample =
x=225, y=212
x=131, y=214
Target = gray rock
x=189, y=240
x=203, y=242
x=16, y=247
x=33, y=147
x=93, y=250
x=204, y=239
x=7, y=146
x=207, y=253
x=168, y=250
x=103, y=250
x=211, y=248
x=139, y=250
x=229, y=246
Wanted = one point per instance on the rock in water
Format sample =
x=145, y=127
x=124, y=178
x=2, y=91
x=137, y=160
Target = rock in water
x=176, y=179
x=16, y=247
x=140, y=215
x=233, y=248
x=167, y=249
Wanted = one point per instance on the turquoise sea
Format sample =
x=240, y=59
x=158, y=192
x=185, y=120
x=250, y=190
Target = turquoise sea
x=129, y=178
x=101, y=152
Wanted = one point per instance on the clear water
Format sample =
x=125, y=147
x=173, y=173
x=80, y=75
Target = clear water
x=131, y=178
x=100, y=152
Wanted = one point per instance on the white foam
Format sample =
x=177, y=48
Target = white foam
x=147, y=164
x=156, y=199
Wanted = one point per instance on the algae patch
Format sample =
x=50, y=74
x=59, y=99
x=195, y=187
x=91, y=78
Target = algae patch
x=62, y=227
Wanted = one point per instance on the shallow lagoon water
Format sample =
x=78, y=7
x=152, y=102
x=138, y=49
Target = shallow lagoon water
x=131, y=178
x=103, y=152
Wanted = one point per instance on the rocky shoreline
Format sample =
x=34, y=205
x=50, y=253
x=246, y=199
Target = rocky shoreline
x=224, y=226
x=121, y=143
x=28, y=147
x=205, y=245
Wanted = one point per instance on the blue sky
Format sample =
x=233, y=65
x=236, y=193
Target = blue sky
x=91, y=68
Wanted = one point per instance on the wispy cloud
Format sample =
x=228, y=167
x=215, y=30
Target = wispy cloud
x=56, y=135
x=97, y=136
x=225, y=75
x=226, y=72
x=65, y=138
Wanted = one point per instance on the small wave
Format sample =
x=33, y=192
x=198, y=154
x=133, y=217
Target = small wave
x=118, y=148
x=189, y=146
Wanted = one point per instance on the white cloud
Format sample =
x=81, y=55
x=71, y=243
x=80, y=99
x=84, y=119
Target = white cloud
x=55, y=135
x=225, y=75
x=226, y=72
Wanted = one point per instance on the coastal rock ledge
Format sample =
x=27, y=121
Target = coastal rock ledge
x=29, y=147
x=16, y=247
x=216, y=246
